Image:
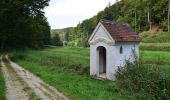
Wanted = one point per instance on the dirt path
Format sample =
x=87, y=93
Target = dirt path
x=40, y=88
x=15, y=90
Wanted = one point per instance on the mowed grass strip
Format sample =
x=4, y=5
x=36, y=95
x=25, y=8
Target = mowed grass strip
x=67, y=69
x=2, y=85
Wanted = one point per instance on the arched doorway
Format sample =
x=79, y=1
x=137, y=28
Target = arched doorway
x=102, y=59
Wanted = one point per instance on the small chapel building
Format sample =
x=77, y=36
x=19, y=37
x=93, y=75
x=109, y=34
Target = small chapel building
x=111, y=44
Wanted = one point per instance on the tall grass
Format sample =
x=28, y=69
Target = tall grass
x=138, y=77
x=67, y=69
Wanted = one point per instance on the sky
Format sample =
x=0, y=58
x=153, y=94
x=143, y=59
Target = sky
x=68, y=13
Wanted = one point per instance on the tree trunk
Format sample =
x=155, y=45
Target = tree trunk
x=3, y=42
x=135, y=11
x=168, y=16
x=149, y=19
x=135, y=20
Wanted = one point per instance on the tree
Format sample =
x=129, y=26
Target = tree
x=67, y=37
x=142, y=15
x=23, y=24
x=168, y=15
x=56, y=40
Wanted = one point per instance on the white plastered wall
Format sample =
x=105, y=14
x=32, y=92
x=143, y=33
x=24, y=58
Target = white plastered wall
x=101, y=37
x=113, y=57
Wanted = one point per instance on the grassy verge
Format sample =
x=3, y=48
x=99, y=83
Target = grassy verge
x=2, y=85
x=67, y=69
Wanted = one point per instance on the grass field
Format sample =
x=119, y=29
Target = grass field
x=155, y=46
x=67, y=69
x=163, y=37
x=2, y=86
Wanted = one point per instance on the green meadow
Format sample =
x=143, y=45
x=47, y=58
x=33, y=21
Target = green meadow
x=67, y=69
x=163, y=37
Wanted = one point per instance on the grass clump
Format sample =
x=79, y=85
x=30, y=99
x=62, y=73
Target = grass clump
x=142, y=78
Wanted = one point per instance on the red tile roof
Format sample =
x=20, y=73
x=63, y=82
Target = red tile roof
x=120, y=32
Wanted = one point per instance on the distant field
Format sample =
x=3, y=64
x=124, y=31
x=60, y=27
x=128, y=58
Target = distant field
x=67, y=69
x=155, y=38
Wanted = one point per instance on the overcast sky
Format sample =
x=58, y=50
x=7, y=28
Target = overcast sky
x=68, y=13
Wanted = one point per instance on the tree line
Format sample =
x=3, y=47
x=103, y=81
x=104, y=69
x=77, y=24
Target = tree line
x=23, y=24
x=142, y=15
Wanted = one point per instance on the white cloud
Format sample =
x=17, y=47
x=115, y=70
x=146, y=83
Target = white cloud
x=66, y=13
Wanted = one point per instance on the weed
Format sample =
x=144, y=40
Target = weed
x=144, y=78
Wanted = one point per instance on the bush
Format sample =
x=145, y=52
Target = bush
x=56, y=41
x=138, y=77
x=16, y=55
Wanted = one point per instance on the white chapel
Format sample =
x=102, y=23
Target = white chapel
x=111, y=44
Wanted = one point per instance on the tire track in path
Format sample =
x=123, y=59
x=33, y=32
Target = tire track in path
x=39, y=87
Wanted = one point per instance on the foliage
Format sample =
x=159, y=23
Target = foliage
x=56, y=41
x=137, y=77
x=133, y=12
x=23, y=24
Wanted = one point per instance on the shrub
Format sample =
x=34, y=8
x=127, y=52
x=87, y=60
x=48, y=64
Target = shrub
x=17, y=55
x=138, y=77
x=56, y=41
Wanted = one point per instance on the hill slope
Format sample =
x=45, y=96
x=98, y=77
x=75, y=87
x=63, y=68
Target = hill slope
x=142, y=15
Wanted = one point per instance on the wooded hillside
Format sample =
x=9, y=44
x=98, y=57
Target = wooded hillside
x=23, y=24
x=142, y=15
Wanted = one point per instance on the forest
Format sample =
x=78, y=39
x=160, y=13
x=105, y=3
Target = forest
x=23, y=24
x=151, y=16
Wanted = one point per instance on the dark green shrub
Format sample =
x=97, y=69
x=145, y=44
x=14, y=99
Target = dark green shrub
x=138, y=77
x=56, y=41
x=17, y=55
